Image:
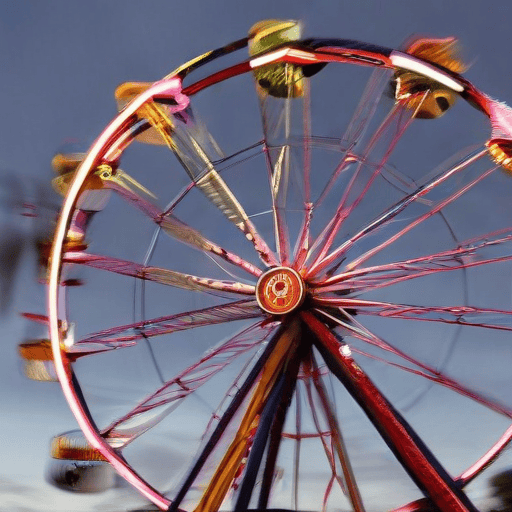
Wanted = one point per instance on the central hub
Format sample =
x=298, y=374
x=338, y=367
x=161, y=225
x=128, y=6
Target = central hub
x=280, y=290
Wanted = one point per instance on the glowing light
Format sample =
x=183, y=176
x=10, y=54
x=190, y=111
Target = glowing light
x=69, y=340
x=345, y=350
x=411, y=64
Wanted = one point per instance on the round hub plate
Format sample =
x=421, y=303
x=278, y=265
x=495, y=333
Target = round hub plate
x=280, y=290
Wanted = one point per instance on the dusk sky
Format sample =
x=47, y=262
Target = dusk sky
x=60, y=63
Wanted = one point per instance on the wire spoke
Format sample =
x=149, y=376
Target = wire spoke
x=235, y=403
x=460, y=315
x=409, y=449
x=358, y=125
x=286, y=130
x=349, y=485
x=179, y=230
x=130, y=333
x=167, y=397
x=470, y=253
x=378, y=150
x=435, y=209
x=156, y=274
x=233, y=458
x=391, y=213
x=354, y=328
x=475, y=469
x=328, y=450
x=197, y=151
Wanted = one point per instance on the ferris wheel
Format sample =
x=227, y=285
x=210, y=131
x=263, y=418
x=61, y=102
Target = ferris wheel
x=281, y=279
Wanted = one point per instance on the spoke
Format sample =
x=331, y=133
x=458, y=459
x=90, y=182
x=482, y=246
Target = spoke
x=296, y=451
x=474, y=470
x=286, y=128
x=166, y=398
x=257, y=443
x=227, y=469
x=381, y=281
x=302, y=246
x=390, y=214
x=339, y=444
x=278, y=413
x=347, y=160
x=275, y=172
x=214, y=187
x=437, y=208
x=145, y=329
x=196, y=151
x=377, y=84
x=226, y=418
x=156, y=274
x=283, y=91
x=378, y=150
x=329, y=452
x=357, y=330
x=363, y=114
x=232, y=392
x=460, y=315
x=179, y=230
x=467, y=254
x=421, y=505
x=408, y=448
x=441, y=379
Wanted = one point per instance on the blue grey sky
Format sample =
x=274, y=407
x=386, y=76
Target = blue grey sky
x=60, y=63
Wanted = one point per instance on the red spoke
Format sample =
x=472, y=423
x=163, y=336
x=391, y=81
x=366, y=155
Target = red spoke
x=347, y=160
x=467, y=254
x=460, y=315
x=179, y=230
x=374, y=283
x=396, y=123
x=402, y=440
x=437, y=208
x=166, y=398
x=329, y=450
x=216, y=189
x=475, y=469
x=337, y=439
x=120, y=334
x=302, y=246
x=156, y=274
x=358, y=125
x=285, y=121
x=355, y=329
x=281, y=233
x=440, y=378
x=234, y=388
x=398, y=207
x=196, y=150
